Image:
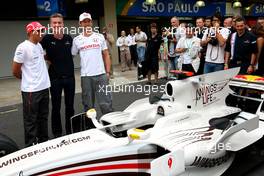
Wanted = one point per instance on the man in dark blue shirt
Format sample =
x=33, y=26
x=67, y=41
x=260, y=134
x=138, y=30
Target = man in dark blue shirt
x=61, y=71
x=242, y=48
x=152, y=53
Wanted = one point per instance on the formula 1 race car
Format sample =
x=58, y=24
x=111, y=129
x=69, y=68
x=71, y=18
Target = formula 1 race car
x=188, y=131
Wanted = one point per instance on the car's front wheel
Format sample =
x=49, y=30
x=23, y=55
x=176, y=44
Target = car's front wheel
x=7, y=145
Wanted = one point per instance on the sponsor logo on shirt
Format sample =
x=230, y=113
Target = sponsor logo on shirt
x=246, y=41
x=91, y=46
x=19, y=53
x=67, y=43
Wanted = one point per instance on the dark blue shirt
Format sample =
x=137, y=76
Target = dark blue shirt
x=58, y=52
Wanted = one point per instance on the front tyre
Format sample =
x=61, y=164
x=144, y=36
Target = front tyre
x=7, y=145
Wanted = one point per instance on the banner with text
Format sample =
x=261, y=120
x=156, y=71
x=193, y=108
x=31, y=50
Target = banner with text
x=255, y=10
x=49, y=7
x=179, y=8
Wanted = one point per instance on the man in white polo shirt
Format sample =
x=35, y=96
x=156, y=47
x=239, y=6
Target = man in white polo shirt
x=95, y=66
x=30, y=66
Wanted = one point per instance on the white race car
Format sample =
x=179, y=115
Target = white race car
x=189, y=131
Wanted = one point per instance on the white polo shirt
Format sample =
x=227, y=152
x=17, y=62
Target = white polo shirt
x=35, y=75
x=123, y=41
x=90, y=49
x=132, y=39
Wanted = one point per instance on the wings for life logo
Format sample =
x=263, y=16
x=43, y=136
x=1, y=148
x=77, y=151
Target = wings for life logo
x=206, y=93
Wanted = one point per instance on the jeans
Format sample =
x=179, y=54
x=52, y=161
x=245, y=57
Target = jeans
x=174, y=62
x=212, y=67
x=96, y=87
x=141, y=53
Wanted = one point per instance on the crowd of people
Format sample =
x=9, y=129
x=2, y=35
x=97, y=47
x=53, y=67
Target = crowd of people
x=212, y=44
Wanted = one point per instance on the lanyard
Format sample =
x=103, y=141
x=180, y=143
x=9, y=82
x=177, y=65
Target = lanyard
x=189, y=43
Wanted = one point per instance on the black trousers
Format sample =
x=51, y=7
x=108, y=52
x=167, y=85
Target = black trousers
x=201, y=66
x=242, y=64
x=35, y=112
x=133, y=52
x=57, y=85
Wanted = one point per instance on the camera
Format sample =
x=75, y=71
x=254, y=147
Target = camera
x=213, y=41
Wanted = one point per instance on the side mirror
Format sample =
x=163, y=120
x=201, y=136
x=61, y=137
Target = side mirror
x=137, y=134
x=91, y=113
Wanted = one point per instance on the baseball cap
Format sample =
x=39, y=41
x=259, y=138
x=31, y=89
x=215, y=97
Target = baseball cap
x=85, y=16
x=33, y=26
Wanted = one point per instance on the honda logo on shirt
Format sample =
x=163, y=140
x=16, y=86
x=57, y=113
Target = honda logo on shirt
x=95, y=40
x=91, y=46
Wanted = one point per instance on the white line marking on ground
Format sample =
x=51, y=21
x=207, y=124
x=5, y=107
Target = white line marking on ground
x=8, y=111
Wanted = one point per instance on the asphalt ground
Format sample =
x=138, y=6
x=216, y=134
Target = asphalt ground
x=11, y=117
x=248, y=162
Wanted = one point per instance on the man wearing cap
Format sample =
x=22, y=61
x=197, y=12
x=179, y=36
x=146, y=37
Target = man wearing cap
x=61, y=71
x=29, y=66
x=95, y=66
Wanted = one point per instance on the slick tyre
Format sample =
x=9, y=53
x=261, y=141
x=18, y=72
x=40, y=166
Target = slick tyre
x=7, y=145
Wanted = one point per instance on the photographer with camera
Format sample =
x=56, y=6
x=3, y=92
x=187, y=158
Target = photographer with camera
x=215, y=38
